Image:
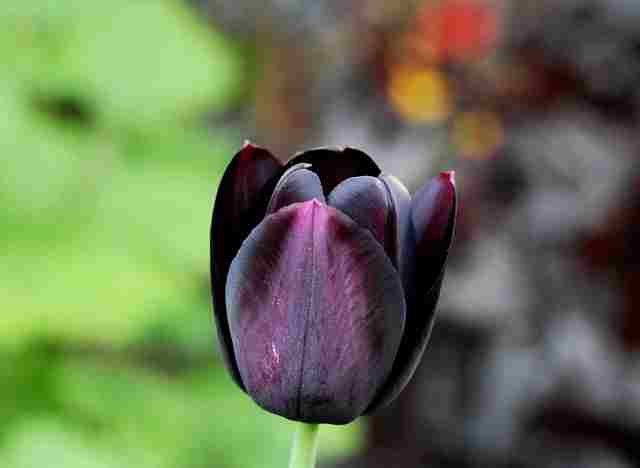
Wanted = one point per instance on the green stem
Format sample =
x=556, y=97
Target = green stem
x=305, y=445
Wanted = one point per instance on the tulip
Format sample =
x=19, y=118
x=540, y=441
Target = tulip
x=325, y=277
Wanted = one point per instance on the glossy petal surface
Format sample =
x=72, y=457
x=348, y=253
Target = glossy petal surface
x=432, y=220
x=365, y=200
x=433, y=215
x=297, y=184
x=404, y=244
x=316, y=312
x=240, y=203
x=335, y=165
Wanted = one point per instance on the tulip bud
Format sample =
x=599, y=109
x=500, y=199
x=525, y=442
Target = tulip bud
x=325, y=276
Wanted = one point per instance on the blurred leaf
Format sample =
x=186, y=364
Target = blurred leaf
x=40, y=442
x=137, y=62
x=200, y=421
x=28, y=379
x=144, y=245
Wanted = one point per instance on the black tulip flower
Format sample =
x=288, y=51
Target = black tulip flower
x=325, y=277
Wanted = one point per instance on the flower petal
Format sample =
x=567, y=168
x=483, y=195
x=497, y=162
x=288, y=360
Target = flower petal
x=334, y=165
x=365, y=200
x=240, y=203
x=296, y=185
x=433, y=216
x=316, y=312
x=401, y=208
x=433, y=213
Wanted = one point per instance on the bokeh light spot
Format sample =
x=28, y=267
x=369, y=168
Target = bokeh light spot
x=420, y=94
x=477, y=134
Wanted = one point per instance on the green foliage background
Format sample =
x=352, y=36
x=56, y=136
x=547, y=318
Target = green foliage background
x=107, y=173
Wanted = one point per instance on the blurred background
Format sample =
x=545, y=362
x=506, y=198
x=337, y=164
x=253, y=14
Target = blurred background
x=116, y=121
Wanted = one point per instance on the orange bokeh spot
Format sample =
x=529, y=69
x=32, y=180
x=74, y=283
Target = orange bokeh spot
x=458, y=30
x=419, y=94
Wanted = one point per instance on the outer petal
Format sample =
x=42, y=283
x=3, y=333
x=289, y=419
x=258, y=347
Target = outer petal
x=240, y=203
x=316, y=312
x=334, y=165
x=365, y=200
x=433, y=217
x=433, y=213
x=297, y=184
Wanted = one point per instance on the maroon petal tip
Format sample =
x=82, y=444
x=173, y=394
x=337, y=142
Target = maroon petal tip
x=449, y=176
x=433, y=212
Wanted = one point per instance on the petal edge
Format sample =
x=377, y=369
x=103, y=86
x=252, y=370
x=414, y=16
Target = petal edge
x=333, y=165
x=433, y=215
x=238, y=203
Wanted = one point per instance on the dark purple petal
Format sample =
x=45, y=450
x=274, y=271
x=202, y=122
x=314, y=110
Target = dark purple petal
x=433, y=213
x=401, y=207
x=316, y=312
x=365, y=200
x=240, y=203
x=335, y=165
x=296, y=185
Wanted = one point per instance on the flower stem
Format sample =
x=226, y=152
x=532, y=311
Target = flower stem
x=305, y=445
